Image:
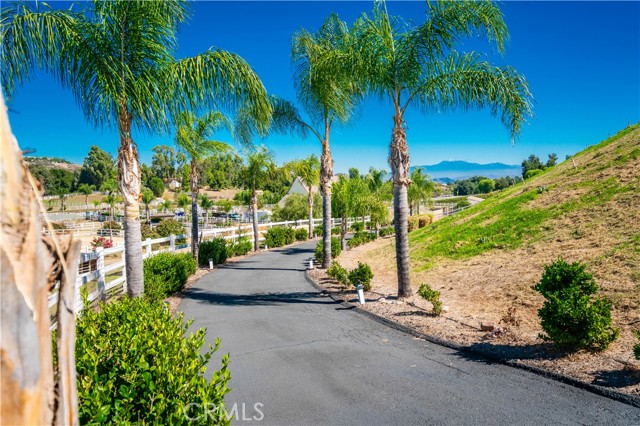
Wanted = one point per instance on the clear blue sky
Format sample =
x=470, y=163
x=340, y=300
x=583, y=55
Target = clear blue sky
x=582, y=60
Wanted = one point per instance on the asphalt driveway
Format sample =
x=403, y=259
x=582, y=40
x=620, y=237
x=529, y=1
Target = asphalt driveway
x=299, y=358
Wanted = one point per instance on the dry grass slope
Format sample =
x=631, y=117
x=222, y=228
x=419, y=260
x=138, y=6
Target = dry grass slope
x=485, y=260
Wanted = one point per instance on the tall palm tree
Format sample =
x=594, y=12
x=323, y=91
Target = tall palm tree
x=206, y=204
x=308, y=170
x=418, y=66
x=259, y=163
x=117, y=58
x=193, y=139
x=86, y=190
x=147, y=197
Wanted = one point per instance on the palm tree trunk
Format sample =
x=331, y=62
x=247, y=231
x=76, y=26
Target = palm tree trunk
x=343, y=233
x=418, y=208
x=129, y=182
x=411, y=208
x=194, y=210
x=254, y=215
x=326, y=173
x=310, y=213
x=399, y=161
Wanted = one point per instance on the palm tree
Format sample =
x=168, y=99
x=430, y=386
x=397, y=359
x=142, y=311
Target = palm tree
x=87, y=190
x=326, y=90
x=308, y=170
x=380, y=194
x=226, y=206
x=182, y=200
x=259, y=163
x=62, y=196
x=166, y=205
x=96, y=204
x=147, y=197
x=206, y=204
x=418, y=66
x=420, y=190
x=117, y=58
x=193, y=139
x=350, y=199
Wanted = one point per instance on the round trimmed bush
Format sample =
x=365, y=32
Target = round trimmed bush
x=301, y=234
x=215, y=249
x=361, y=275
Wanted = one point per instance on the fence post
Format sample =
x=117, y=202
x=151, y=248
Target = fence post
x=148, y=243
x=233, y=235
x=102, y=294
x=172, y=242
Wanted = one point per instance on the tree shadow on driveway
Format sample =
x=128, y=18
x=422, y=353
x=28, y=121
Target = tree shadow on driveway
x=258, y=299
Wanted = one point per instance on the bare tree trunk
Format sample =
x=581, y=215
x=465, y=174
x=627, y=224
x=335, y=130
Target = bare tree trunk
x=310, y=213
x=418, y=208
x=399, y=161
x=26, y=365
x=326, y=173
x=254, y=216
x=411, y=208
x=194, y=210
x=129, y=182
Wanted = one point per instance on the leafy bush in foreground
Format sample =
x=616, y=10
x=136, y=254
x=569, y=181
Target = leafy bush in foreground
x=215, y=249
x=279, y=236
x=335, y=249
x=569, y=316
x=240, y=247
x=167, y=273
x=432, y=296
x=361, y=275
x=301, y=234
x=135, y=365
x=338, y=273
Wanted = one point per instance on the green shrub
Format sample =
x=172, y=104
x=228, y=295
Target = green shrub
x=167, y=273
x=413, y=223
x=147, y=232
x=357, y=227
x=389, y=230
x=279, y=236
x=335, y=249
x=360, y=238
x=361, y=275
x=532, y=173
x=58, y=225
x=301, y=234
x=462, y=204
x=241, y=247
x=636, y=348
x=168, y=227
x=432, y=296
x=336, y=230
x=136, y=363
x=338, y=273
x=570, y=316
x=425, y=220
x=317, y=231
x=215, y=249
x=112, y=225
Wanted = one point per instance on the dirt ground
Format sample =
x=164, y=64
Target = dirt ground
x=496, y=287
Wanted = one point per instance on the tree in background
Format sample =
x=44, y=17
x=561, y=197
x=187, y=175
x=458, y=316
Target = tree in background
x=182, y=201
x=147, y=198
x=163, y=162
x=296, y=207
x=193, y=138
x=350, y=198
x=419, y=191
x=411, y=65
x=380, y=194
x=54, y=180
x=166, y=205
x=98, y=167
x=206, y=204
x=117, y=58
x=531, y=163
x=226, y=206
x=86, y=190
x=223, y=170
x=486, y=185
x=308, y=170
x=553, y=160
x=156, y=185
x=259, y=161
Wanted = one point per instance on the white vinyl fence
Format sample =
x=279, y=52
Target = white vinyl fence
x=108, y=278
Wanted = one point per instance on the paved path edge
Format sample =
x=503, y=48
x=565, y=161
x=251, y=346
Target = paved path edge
x=599, y=390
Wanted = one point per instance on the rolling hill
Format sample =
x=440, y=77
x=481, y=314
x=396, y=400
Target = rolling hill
x=448, y=171
x=484, y=260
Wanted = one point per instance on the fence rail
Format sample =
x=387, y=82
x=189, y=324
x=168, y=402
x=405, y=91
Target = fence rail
x=108, y=277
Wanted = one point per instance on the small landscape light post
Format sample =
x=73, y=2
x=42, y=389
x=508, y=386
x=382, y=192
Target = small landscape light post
x=310, y=263
x=210, y=263
x=360, y=294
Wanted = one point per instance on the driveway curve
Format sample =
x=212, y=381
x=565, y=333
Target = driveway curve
x=299, y=358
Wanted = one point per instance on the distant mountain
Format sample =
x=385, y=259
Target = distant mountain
x=448, y=171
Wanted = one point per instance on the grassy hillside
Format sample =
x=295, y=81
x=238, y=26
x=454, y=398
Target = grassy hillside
x=485, y=260
x=600, y=194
